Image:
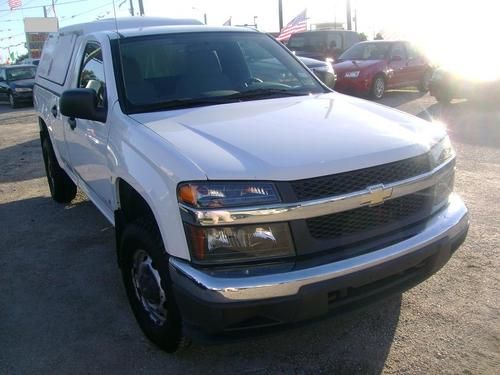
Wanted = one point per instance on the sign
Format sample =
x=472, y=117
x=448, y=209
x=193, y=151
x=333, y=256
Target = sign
x=37, y=30
x=41, y=25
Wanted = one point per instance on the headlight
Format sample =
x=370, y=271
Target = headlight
x=237, y=243
x=23, y=89
x=244, y=243
x=354, y=74
x=441, y=152
x=230, y=194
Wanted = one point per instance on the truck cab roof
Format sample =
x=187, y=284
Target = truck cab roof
x=135, y=26
x=122, y=23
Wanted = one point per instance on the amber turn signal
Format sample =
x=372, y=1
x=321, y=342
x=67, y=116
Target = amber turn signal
x=188, y=194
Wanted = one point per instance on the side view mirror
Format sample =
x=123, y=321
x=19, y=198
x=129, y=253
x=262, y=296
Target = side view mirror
x=81, y=103
x=396, y=58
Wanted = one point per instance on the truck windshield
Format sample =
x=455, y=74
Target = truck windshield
x=367, y=51
x=194, y=69
x=14, y=74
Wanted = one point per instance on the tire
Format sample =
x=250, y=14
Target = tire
x=62, y=188
x=424, y=82
x=145, y=273
x=12, y=101
x=443, y=97
x=378, y=87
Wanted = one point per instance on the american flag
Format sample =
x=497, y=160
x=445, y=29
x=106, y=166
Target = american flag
x=296, y=25
x=15, y=4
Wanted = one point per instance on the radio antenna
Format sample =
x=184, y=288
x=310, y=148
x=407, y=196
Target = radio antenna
x=116, y=22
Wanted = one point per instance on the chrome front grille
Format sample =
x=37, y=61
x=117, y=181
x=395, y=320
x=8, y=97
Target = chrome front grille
x=352, y=181
x=409, y=208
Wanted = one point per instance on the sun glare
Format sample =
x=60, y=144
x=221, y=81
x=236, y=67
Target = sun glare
x=457, y=35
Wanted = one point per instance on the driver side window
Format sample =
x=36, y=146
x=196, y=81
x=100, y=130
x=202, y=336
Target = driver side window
x=92, y=72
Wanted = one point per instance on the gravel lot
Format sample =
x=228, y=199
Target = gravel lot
x=63, y=308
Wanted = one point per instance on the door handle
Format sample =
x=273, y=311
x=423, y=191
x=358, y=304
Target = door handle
x=72, y=123
x=54, y=111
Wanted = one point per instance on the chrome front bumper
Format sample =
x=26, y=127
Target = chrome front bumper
x=445, y=226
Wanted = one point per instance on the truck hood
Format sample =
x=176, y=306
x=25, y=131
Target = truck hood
x=291, y=138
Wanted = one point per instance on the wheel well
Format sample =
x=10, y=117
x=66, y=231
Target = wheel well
x=132, y=206
x=43, y=128
x=380, y=74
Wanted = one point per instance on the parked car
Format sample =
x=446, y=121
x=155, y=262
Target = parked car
x=446, y=85
x=322, y=45
x=240, y=201
x=370, y=68
x=323, y=70
x=16, y=84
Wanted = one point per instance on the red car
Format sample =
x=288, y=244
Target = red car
x=369, y=68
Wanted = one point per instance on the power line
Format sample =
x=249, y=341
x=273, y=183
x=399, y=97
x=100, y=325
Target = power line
x=11, y=36
x=67, y=18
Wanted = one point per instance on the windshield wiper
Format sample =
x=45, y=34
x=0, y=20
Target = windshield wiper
x=232, y=98
x=265, y=93
x=188, y=103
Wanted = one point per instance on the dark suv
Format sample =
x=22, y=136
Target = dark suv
x=322, y=45
x=16, y=84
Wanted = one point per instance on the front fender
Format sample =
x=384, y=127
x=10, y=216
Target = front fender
x=154, y=169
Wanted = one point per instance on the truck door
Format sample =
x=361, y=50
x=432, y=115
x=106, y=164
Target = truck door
x=87, y=139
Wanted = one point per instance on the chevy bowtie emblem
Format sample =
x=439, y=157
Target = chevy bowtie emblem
x=378, y=194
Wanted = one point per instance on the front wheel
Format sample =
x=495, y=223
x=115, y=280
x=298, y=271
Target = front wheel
x=12, y=101
x=378, y=87
x=62, y=188
x=144, y=265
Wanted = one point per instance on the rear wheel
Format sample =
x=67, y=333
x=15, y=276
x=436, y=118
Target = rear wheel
x=378, y=87
x=144, y=265
x=62, y=188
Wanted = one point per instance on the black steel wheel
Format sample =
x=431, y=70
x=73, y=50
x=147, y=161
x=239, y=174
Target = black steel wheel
x=144, y=265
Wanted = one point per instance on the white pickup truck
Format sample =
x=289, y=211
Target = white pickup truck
x=245, y=194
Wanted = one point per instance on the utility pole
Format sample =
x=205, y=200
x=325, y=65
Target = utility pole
x=356, y=19
x=280, y=13
x=348, y=15
x=205, y=18
x=141, y=8
x=44, y=11
x=131, y=8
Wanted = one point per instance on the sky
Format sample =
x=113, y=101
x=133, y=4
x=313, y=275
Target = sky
x=449, y=30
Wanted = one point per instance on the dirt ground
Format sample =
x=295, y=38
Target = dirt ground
x=63, y=308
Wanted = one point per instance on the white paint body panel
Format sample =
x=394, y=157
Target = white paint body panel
x=292, y=138
x=275, y=139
